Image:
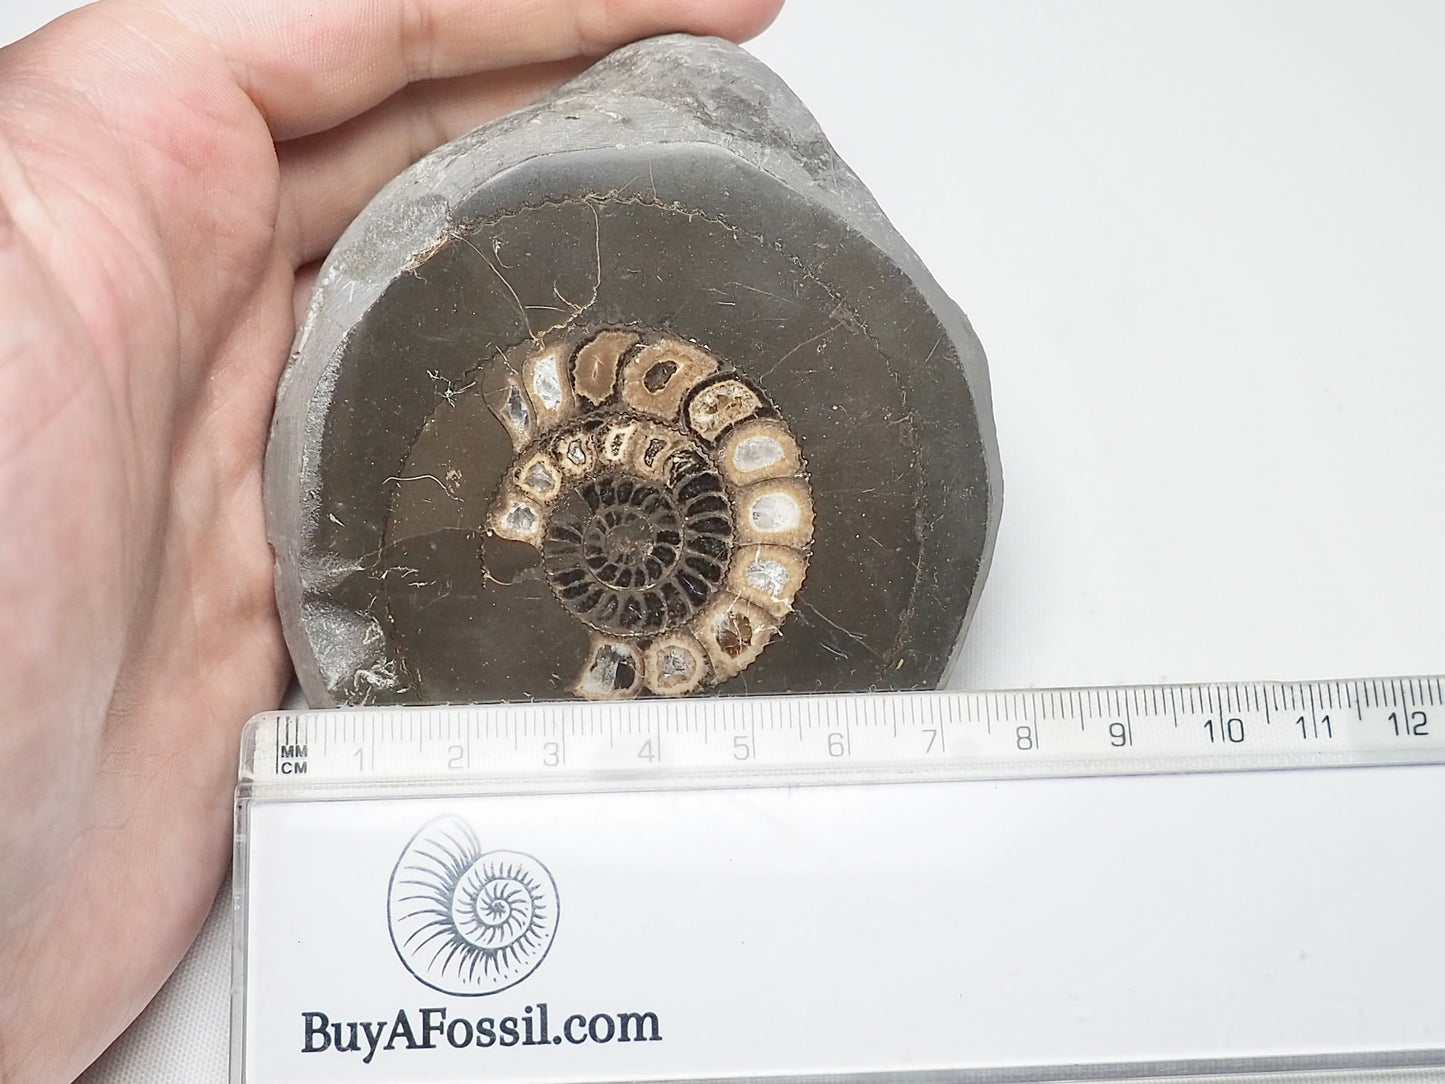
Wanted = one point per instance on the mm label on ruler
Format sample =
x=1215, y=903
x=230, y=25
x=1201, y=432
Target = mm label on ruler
x=960, y=886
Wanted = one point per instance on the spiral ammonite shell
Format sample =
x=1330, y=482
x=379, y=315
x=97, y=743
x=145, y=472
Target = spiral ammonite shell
x=632, y=393
x=468, y=921
x=669, y=503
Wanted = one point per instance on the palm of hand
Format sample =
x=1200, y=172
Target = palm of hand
x=167, y=178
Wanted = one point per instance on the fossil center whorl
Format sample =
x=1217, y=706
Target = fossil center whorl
x=668, y=499
x=635, y=558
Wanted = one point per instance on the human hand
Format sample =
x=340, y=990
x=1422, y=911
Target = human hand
x=170, y=172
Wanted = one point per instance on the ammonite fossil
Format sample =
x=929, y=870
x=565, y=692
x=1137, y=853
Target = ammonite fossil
x=468, y=921
x=633, y=392
x=668, y=501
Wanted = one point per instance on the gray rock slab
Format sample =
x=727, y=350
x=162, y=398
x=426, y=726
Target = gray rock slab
x=823, y=508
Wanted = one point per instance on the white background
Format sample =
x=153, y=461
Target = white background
x=1204, y=247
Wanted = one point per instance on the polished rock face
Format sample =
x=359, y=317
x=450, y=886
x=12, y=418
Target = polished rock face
x=634, y=392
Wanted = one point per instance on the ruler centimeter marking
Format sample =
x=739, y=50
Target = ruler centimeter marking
x=1045, y=732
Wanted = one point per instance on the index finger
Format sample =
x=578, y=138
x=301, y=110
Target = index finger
x=308, y=65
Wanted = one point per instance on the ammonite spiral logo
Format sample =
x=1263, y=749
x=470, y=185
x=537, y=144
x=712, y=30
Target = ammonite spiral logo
x=468, y=921
x=668, y=499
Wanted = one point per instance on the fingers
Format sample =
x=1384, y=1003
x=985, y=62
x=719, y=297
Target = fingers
x=327, y=178
x=309, y=65
x=301, y=291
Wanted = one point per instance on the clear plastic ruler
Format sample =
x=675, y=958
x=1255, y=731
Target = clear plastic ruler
x=1050, y=885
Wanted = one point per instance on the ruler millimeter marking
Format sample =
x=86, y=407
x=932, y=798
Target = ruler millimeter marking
x=858, y=737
